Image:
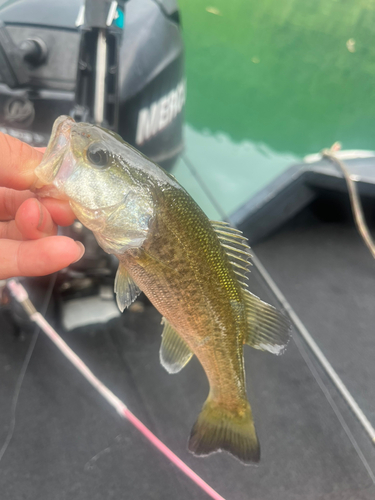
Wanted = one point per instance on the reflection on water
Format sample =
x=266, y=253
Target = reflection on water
x=294, y=75
x=232, y=171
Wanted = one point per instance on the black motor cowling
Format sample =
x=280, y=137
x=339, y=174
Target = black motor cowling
x=42, y=48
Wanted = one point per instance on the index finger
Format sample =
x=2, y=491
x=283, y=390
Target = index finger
x=10, y=201
x=17, y=163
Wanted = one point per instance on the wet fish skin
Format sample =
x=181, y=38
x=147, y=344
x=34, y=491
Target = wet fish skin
x=193, y=285
x=193, y=271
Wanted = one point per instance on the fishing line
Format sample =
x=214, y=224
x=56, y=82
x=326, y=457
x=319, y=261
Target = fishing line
x=204, y=187
x=20, y=294
x=334, y=406
x=24, y=367
x=304, y=333
x=300, y=327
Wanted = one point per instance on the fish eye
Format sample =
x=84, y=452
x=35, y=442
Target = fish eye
x=97, y=155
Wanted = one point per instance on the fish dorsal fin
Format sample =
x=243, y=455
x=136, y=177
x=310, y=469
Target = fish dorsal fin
x=236, y=248
x=125, y=288
x=267, y=329
x=174, y=351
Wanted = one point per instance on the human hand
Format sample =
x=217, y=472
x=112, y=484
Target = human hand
x=28, y=227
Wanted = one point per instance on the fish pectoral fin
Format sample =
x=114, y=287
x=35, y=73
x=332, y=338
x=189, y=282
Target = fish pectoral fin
x=174, y=351
x=268, y=329
x=125, y=288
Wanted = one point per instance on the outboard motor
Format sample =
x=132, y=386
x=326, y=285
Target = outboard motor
x=40, y=59
x=119, y=64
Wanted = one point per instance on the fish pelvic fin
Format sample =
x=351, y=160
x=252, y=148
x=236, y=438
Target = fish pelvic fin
x=267, y=328
x=174, y=351
x=218, y=428
x=125, y=288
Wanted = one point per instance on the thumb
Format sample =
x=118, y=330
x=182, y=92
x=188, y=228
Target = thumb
x=18, y=161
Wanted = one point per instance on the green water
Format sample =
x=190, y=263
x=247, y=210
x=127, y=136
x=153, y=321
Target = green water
x=269, y=82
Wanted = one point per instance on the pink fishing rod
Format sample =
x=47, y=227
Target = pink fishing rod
x=21, y=295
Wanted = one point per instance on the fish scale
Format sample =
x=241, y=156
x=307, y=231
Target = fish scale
x=204, y=310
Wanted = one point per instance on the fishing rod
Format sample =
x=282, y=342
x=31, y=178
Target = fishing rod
x=21, y=296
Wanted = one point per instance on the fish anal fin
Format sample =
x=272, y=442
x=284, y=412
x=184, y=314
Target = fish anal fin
x=125, y=288
x=174, y=351
x=220, y=429
x=267, y=328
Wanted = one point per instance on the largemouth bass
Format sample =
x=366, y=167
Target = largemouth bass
x=193, y=270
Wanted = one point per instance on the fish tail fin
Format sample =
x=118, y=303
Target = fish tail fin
x=218, y=428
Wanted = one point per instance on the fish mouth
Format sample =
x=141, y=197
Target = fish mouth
x=58, y=161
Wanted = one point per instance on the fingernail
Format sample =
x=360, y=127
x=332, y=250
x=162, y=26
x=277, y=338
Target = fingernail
x=81, y=249
x=45, y=223
x=41, y=218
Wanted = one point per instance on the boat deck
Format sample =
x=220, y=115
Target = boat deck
x=68, y=443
